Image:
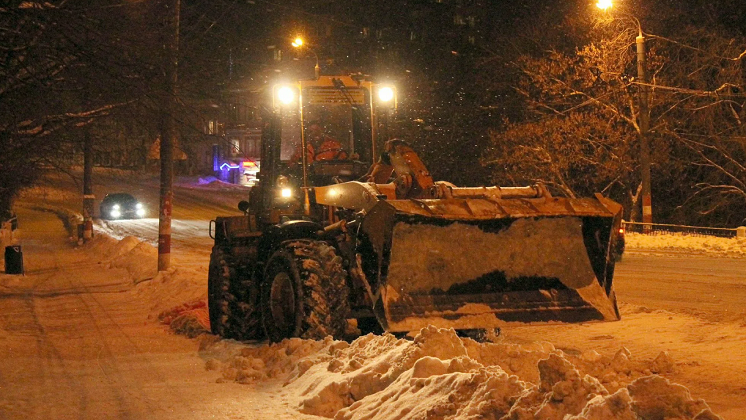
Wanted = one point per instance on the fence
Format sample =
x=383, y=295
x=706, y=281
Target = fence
x=662, y=228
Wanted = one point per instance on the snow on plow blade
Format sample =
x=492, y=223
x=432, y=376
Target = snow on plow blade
x=480, y=263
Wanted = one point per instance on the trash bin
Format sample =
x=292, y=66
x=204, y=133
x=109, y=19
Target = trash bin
x=13, y=259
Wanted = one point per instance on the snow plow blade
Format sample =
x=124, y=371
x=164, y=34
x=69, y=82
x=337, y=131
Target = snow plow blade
x=474, y=263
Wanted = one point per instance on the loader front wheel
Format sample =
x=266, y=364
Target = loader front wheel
x=304, y=292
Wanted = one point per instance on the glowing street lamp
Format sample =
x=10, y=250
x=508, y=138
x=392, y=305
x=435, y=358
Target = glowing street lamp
x=643, y=121
x=603, y=4
x=298, y=43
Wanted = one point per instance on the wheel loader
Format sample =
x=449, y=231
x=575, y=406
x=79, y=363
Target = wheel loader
x=372, y=243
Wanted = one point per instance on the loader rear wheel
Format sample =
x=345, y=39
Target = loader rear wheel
x=232, y=299
x=304, y=292
x=219, y=276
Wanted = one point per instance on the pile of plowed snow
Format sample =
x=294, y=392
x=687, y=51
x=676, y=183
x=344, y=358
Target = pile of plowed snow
x=138, y=258
x=735, y=247
x=439, y=375
x=163, y=291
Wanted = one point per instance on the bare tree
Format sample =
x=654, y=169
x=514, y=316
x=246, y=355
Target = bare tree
x=580, y=133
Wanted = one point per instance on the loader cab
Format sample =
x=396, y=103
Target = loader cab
x=351, y=112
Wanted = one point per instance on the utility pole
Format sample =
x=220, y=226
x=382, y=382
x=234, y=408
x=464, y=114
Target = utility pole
x=88, y=196
x=644, y=122
x=168, y=129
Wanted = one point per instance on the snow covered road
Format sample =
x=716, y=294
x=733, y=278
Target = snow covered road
x=79, y=336
x=75, y=343
x=703, y=285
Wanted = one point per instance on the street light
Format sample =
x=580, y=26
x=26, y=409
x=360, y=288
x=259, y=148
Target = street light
x=603, y=4
x=643, y=121
x=298, y=43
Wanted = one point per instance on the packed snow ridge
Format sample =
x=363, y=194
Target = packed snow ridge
x=439, y=375
x=712, y=245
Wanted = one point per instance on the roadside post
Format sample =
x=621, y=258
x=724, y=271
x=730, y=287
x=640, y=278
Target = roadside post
x=87, y=229
x=81, y=228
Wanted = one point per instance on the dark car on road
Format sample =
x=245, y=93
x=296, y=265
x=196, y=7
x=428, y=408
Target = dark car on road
x=121, y=206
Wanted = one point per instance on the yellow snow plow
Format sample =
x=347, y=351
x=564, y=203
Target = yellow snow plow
x=322, y=246
x=475, y=258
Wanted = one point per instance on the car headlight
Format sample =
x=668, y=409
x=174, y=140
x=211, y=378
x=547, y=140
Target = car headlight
x=115, y=207
x=140, y=211
x=138, y=206
x=115, y=213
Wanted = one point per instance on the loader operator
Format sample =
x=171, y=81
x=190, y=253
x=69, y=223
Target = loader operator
x=320, y=146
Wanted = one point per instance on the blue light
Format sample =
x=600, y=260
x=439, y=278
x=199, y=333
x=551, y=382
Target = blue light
x=225, y=166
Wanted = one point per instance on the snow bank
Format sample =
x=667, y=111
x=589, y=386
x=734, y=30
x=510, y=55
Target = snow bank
x=190, y=319
x=53, y=191
x=441, y=376
x=141, y=261
x=210, y=182
x=176, y=288
x=138, y=258
x=164, y=292
x=7, y=237
x=70, y=218
x=734, y=247
x=249, y=364
x=207, y=180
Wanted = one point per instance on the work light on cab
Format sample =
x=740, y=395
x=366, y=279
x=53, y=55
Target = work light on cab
x=285, y=95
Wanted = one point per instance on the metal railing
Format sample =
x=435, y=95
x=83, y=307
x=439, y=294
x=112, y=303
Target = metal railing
x=662, y=228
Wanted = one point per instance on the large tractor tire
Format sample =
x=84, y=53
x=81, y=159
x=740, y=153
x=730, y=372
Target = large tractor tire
x=304, y=292
x=232, y=299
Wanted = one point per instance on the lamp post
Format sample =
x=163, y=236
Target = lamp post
x=168, y=129
x=297, y=43
x=643, y=121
